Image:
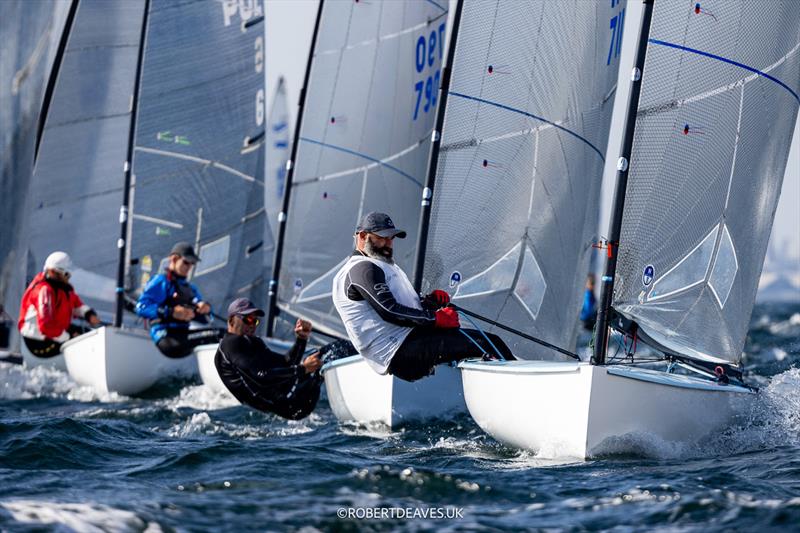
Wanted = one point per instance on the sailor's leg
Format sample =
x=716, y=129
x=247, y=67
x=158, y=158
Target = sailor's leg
x=42, y=348
x=302, y=400
x=425, y=348
x=179, y=343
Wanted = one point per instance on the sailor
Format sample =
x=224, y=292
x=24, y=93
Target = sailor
x=169, y=302
x=394, y=329
x=48, y=306
x=589, y=309
x=286, y=384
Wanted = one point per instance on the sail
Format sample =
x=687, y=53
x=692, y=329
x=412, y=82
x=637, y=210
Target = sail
x=199, y=153
x=76, y=188
x=277, y=153
x=30, y=34
x=526, y=124
x=715, y=119
x=363, y=144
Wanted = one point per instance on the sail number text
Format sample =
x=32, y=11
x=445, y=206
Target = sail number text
x=428, y=53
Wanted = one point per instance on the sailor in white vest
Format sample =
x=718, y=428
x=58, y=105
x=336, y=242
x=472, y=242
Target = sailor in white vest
x=395, y=330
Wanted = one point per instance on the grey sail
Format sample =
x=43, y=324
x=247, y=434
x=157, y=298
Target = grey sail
x=30, y=33
x=198, y=163
x=277, y=153
x=77, y=185
x=718, y=106
x=364, y=141
x=521, y=160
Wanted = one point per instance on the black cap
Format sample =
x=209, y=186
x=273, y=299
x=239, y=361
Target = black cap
x=243, y=306
x=185, y=250
x=380, y=224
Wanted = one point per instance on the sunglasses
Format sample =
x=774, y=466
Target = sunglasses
x=250, y=320
x=66, y=275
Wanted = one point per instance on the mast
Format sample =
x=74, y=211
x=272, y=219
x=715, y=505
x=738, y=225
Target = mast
x=623, y=166
x=122, y=243
x=287, y=187
x=436, y=141
x=51, y=80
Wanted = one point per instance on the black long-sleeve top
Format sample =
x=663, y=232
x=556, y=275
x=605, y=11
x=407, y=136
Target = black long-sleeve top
x=256, y=375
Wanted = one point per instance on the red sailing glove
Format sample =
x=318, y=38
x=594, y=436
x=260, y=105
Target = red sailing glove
x=439, y=297
x=447, y=317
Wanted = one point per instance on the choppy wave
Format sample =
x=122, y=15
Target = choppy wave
x=84, y=517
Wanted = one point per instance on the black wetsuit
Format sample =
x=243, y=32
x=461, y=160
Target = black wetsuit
x=426, y=346
x=266, y=380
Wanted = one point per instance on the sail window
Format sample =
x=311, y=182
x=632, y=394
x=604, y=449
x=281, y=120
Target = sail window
x=496, y=278
x=531, y=284
x=213, y=256
x=690, y=271
x=724, y=270
x=322, y=287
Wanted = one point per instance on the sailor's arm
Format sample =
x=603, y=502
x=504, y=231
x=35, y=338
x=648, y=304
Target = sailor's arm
x=367, y=281
x=258, y=362
x=152, y=302
x=302, y=331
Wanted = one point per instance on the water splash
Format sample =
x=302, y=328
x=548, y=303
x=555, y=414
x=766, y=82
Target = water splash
x=20, y=383
x=85, y=517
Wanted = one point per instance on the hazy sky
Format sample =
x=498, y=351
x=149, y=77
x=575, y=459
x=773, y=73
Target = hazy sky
x=290, y=24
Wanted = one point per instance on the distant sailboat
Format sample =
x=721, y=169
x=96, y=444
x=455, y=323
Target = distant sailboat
x=182, y=162
x=713, y=104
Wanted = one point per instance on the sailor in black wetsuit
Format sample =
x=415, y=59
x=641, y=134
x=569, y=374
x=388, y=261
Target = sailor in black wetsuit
x=261, y=378
x=395, y=330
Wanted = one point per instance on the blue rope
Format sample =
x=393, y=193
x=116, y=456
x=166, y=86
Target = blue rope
x=474, y=325
x=471, y=339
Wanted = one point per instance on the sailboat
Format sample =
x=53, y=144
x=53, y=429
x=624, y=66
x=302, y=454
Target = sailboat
x=277, y=154
x=151, y=124
x=714, y=98
x=361, y=144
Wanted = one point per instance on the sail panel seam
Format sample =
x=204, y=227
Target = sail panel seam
x=729, y=61
x=531, y=115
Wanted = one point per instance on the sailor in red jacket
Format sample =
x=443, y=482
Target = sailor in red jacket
x=48, y=307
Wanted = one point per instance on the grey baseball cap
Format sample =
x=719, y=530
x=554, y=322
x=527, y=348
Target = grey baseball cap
x=185, y=250
x=243, y=306
x=380, y=224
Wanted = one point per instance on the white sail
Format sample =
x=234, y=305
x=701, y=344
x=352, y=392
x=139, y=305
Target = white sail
x=718, y=106
x=521, y=162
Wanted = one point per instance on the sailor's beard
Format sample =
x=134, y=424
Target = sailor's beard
x=382, y=254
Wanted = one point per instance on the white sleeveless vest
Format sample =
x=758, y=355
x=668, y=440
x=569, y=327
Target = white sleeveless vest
x=374, y=338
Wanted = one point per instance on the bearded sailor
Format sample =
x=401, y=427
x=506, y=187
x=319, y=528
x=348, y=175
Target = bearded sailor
x=395, y=330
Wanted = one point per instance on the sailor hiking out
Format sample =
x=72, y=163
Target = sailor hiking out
x=169, y=302
x=395, y=330
x=286, y=384
x=48, y=306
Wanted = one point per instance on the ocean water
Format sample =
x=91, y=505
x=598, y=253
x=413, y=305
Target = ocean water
x=185, y=459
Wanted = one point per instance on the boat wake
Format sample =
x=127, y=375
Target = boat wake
x=19, y=383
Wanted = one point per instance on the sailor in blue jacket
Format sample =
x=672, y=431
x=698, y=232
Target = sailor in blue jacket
x=169, y=302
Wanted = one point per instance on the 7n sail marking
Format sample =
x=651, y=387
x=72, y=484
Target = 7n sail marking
x=425, y=57
x=615, y=26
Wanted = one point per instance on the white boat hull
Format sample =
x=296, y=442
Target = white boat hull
x=208, y=370
x=571, y=409
x=31, y=361
x=124, y=361
x=357, y=393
